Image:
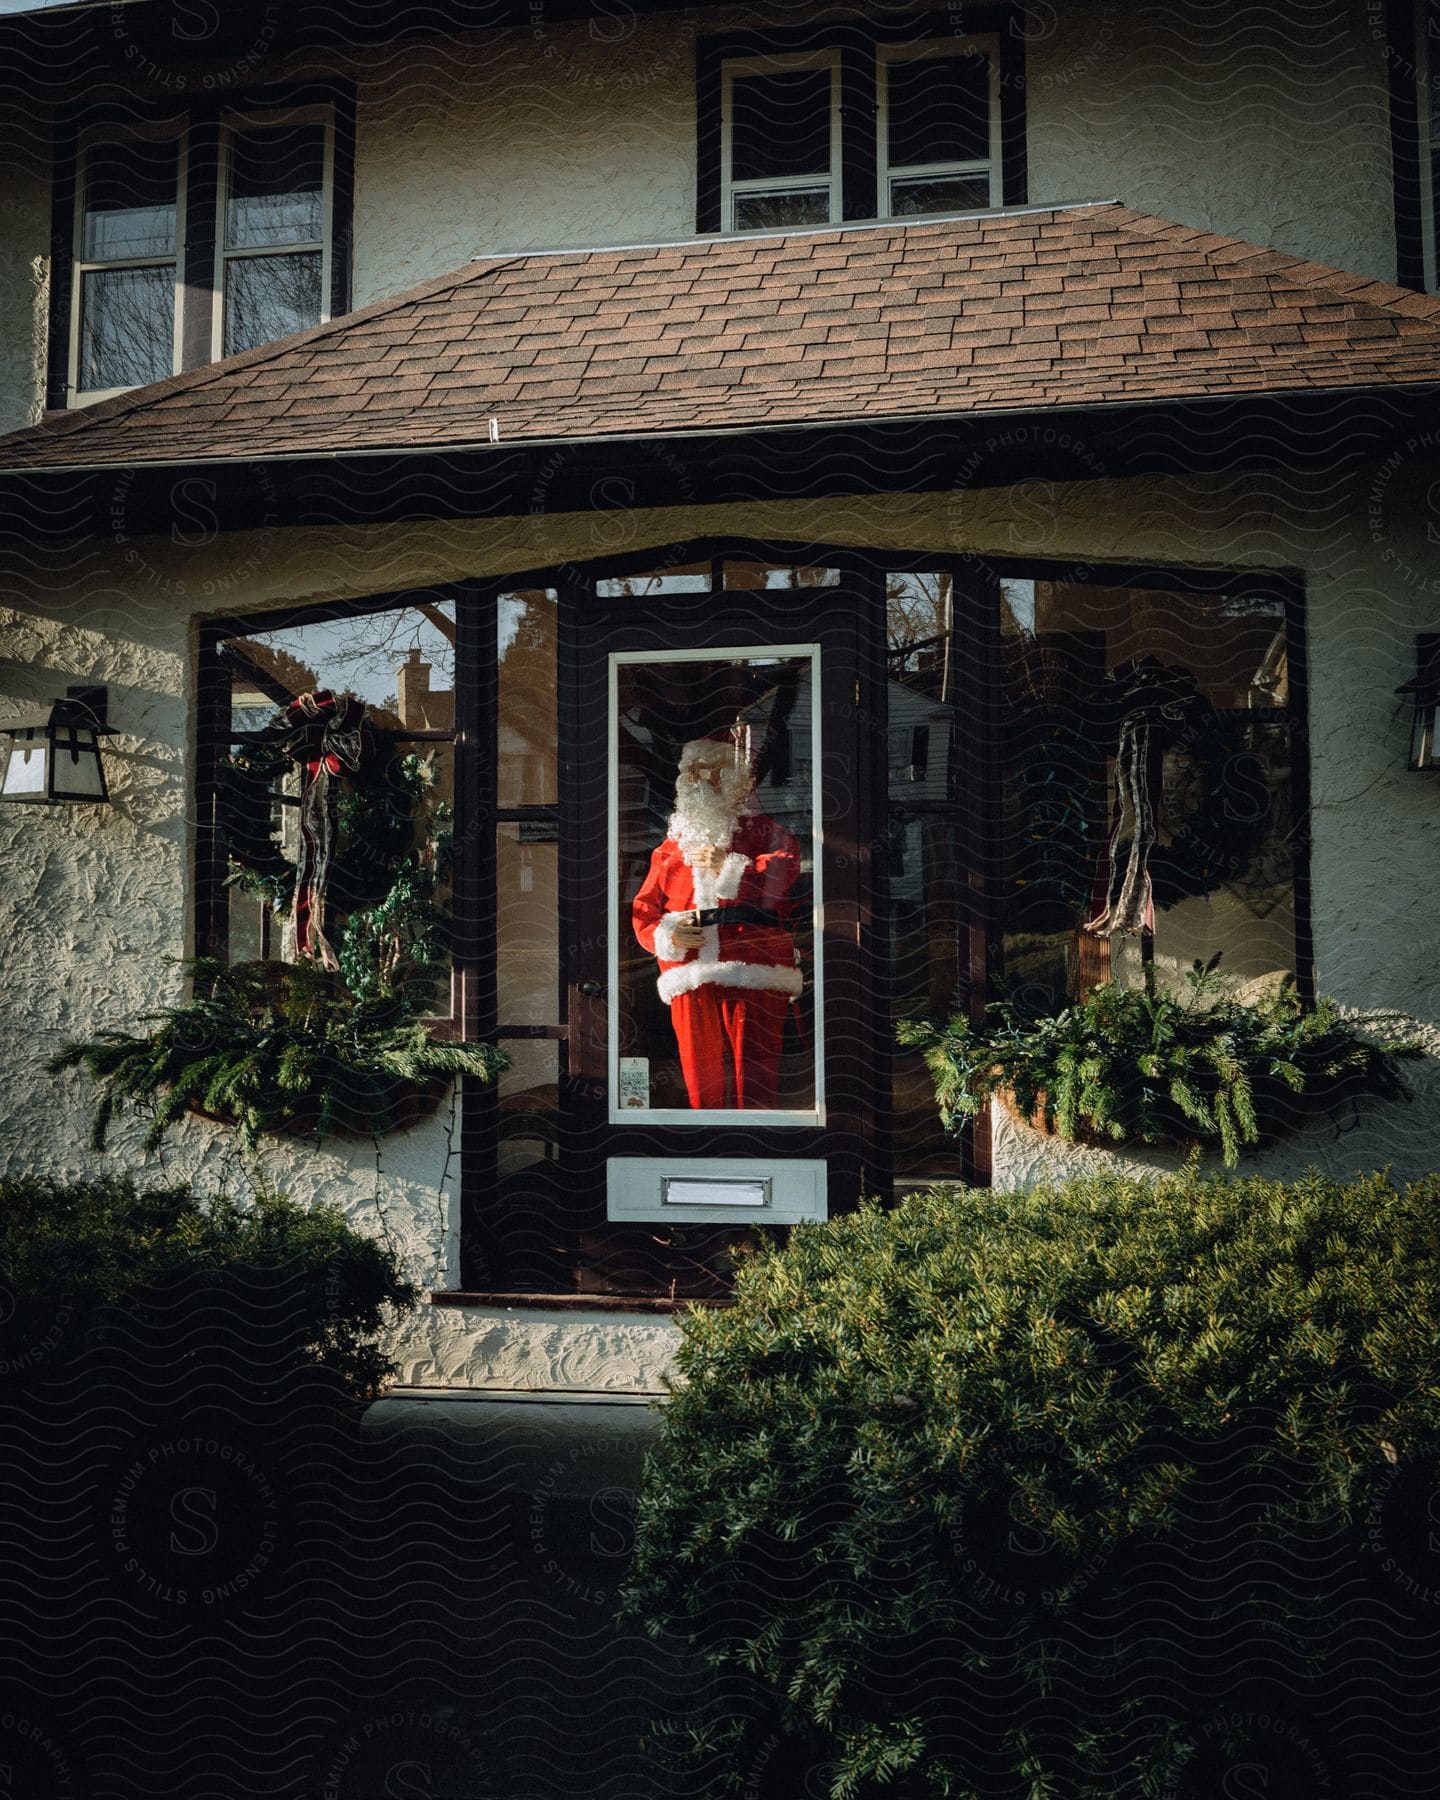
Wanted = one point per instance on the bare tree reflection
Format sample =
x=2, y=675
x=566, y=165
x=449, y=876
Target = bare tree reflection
x=268, y=297
x=127, y=327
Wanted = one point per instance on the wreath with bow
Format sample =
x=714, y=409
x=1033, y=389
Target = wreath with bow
x=1192, y=800
x=366, y=871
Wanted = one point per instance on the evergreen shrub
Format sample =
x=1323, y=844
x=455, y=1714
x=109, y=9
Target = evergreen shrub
x=88, y=1266
x=995, y=1494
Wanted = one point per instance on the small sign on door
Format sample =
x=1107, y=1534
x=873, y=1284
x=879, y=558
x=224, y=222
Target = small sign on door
x=634, y=1082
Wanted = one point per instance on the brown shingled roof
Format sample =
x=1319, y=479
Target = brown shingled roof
x=1000, y=312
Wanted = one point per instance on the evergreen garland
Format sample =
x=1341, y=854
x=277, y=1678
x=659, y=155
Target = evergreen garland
x=1147, y=1066
x=273, y=1046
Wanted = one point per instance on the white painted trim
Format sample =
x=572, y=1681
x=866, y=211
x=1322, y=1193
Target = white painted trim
x=615, y=924
x=701, y=239
x=771, y=65
x=885, y=55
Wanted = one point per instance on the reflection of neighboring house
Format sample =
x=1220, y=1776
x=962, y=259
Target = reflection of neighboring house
x=419, y=707
x=919, y=747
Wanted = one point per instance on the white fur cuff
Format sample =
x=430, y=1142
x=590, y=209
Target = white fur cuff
x=666, y=948
x=773, y=978
x=727, y=882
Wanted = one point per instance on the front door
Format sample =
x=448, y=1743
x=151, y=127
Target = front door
x=722, y=1041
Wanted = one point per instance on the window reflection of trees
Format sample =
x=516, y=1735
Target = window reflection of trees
x=275, y=199
x=127, y=327
x=360, y=654
x=127, y=315
x=400, y=663
x=268, y=297
x=919, y=621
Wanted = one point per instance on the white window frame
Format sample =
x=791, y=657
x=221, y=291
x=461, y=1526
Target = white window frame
x=81, y=266
x=239, y=121
x=885, y=55
x=730, y=190
x=617, y=923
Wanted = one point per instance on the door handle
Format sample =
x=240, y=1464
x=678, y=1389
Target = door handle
x=592, y=990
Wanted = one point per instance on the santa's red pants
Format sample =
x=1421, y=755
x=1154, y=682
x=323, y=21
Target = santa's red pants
x=749, y=1023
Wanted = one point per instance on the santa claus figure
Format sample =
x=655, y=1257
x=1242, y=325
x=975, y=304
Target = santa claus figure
x=715, y=910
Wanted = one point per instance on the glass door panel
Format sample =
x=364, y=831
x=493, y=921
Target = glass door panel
x=715, y=887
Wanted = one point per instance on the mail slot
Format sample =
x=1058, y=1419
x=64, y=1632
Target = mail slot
x=716, y=1189
x=688, y=1190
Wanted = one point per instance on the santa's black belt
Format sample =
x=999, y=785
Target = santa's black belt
x=735, y=914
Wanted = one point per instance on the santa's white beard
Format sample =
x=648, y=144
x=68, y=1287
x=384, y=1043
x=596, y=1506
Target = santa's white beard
x=705, y=817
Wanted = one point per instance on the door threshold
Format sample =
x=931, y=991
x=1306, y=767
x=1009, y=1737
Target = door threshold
x=570, y=1302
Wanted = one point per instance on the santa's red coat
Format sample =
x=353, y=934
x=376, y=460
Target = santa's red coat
x=761, y=870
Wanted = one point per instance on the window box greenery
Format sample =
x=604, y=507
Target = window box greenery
x=276, y=1047
x=1146, y=1066
x=338, y=1041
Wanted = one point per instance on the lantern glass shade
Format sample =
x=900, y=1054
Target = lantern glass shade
x=1424, y=693
x=55, y=758
x=27, y=771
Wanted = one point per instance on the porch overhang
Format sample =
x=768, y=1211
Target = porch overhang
x=1312, y=435
x=1068, y=343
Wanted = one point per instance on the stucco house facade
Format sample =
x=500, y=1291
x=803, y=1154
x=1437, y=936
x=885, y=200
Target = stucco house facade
x=879, y=388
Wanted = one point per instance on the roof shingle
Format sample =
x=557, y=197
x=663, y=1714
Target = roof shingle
x=994, y=312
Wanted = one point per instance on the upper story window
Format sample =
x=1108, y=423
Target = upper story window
x=782, y=142
x=196, y=238
x=878, y=123
x=273, y=242
x=125, y=317
x=939, y=128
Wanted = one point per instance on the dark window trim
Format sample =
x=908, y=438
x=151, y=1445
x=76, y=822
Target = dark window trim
x=857, y=44
x=1406, y=139
x=210, y=909
x=977, y=592
x=200, y=115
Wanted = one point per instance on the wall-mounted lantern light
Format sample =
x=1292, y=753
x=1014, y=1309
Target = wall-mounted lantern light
x=55, y=755
x=1424, y=690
